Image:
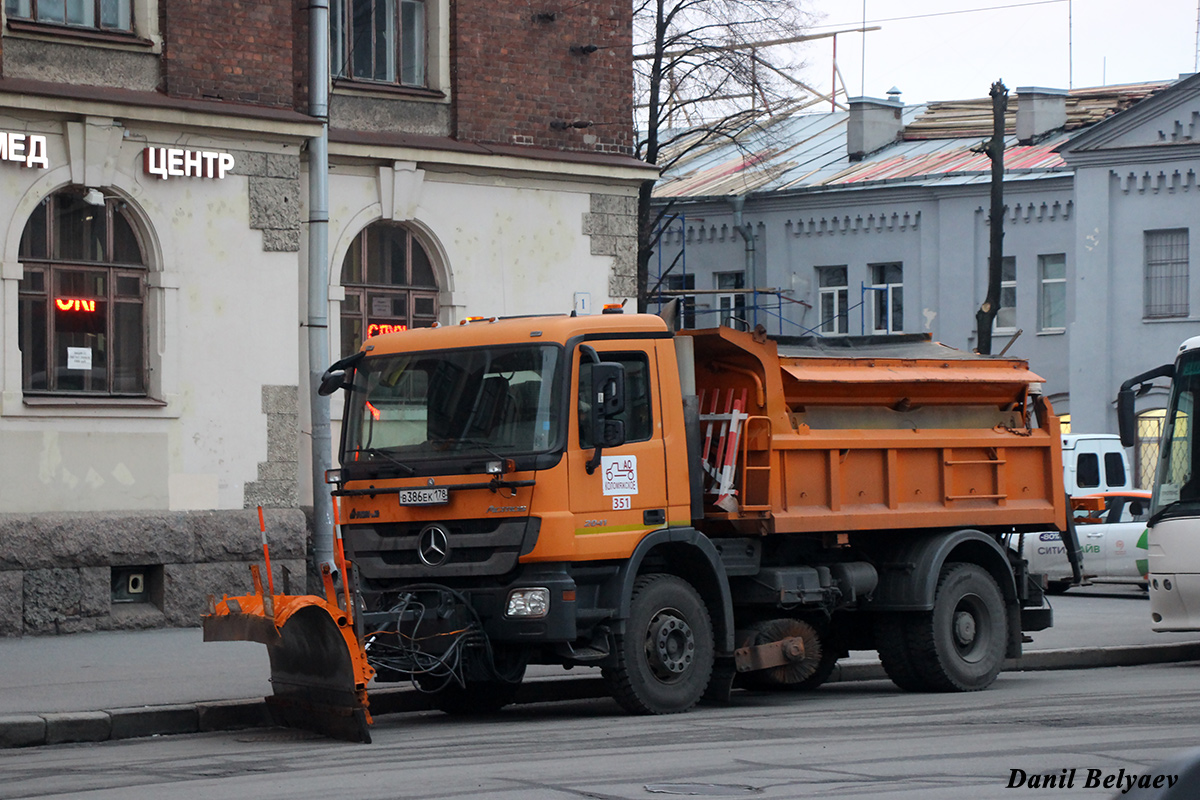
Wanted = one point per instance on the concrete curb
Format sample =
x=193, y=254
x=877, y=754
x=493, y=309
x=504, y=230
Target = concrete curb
x=30, y=730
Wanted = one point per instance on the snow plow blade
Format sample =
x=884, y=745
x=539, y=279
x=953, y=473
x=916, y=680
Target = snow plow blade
x=319, y=671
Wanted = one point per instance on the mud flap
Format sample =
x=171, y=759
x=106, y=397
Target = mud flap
x=318, y=669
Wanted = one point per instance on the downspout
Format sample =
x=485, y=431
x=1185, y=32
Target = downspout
x=747, y=232
x=318, y=279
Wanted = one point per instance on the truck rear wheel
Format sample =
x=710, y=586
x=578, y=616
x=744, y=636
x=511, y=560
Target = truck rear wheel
x=960, y=645
x=892, y=633
x=665, y=656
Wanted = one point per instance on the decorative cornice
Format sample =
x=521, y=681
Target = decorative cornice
x=883, y=222
x=1155, y=182
x=1036, y=212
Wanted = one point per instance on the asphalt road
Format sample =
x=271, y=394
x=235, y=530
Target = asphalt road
x=847, y=741
x=82, y=672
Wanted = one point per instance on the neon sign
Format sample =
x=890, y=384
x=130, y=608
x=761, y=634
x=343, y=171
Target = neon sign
x=72, y=304
x=378, y=328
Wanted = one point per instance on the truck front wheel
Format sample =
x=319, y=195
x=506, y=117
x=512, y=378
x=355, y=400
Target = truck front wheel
x=960, y=645
x=665, y=657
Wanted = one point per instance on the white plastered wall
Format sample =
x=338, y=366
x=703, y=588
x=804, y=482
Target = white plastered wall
x=221, y=320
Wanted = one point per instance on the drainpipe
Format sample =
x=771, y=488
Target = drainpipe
x=318, y=279
x=747, y=231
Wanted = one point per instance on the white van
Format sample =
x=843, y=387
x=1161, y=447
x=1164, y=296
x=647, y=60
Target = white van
x=1095, y=462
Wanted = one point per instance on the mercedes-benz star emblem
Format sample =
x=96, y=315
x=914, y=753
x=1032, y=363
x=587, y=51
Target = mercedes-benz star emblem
x=433, y=546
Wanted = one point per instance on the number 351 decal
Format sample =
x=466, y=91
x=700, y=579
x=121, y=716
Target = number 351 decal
x=622, y=502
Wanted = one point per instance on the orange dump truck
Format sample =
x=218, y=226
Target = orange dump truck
x=688, y=512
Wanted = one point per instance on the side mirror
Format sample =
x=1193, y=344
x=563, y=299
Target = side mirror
x=1126, y=417
x=334, y=378
x=331, y=381
x=608, y=384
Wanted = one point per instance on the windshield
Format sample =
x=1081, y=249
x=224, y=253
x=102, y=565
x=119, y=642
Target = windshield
x=434, y=405
x=1178, y=477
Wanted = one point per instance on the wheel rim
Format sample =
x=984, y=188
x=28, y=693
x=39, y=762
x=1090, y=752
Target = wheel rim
x=670, y=645
x=971, y=628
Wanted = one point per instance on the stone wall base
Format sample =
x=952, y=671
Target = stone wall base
x=71, y=573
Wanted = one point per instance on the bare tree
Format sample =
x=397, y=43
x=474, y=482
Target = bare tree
x=705, y=70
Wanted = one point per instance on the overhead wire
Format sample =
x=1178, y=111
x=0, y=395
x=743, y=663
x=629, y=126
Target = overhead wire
x=943, y=13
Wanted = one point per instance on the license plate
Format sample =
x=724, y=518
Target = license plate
x=424, y=497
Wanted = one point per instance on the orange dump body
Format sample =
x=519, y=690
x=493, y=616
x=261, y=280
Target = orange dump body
x=902, y=437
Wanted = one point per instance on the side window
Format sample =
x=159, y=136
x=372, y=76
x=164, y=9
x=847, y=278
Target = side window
x=390, y=285
x=1137, y=509
x=639, y=424
x=1114, y=469
x=1087, y=471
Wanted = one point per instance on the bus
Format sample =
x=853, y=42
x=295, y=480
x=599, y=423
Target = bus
x=1173, y=528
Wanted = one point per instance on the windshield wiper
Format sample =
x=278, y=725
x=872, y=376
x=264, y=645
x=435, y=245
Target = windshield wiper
x=375, y=451
x=1171, y=510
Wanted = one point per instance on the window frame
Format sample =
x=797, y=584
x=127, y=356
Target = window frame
x=633, y=399
x=1166, y=250
x=888, y=298
x=1008, y=289
x=363, y=292
x=683, y=282
x=48, y=262
x=342, y=63
x=127, y=9
x=731, y=308
x=839, y=296
x=1045, y=285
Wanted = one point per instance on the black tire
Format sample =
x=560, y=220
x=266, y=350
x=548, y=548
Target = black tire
x=892, y=633
x=1058, y=587
x=665, y=657
x=477, y=698
x=960, y=645
x=801, y=676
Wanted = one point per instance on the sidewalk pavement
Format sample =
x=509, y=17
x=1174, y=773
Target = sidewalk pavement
x=114, y=685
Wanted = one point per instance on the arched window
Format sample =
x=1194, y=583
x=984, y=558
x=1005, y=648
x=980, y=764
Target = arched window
x=82, y=320
x=389, y=283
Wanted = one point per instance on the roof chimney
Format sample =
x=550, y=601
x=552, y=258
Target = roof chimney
x=1039, y=111
x=873, y=124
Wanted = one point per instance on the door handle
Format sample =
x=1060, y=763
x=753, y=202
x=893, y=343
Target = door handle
x=654, y=516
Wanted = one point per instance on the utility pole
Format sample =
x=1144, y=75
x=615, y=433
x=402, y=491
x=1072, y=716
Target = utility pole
x=986, y=314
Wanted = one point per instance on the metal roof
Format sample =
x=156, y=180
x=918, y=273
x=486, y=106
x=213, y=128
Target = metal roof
x=939, y=144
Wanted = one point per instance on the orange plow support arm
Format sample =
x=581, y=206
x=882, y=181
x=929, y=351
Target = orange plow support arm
x=319, y=670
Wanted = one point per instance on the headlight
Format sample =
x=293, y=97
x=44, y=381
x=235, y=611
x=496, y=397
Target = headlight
x=333, y=476
x=528, y=603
